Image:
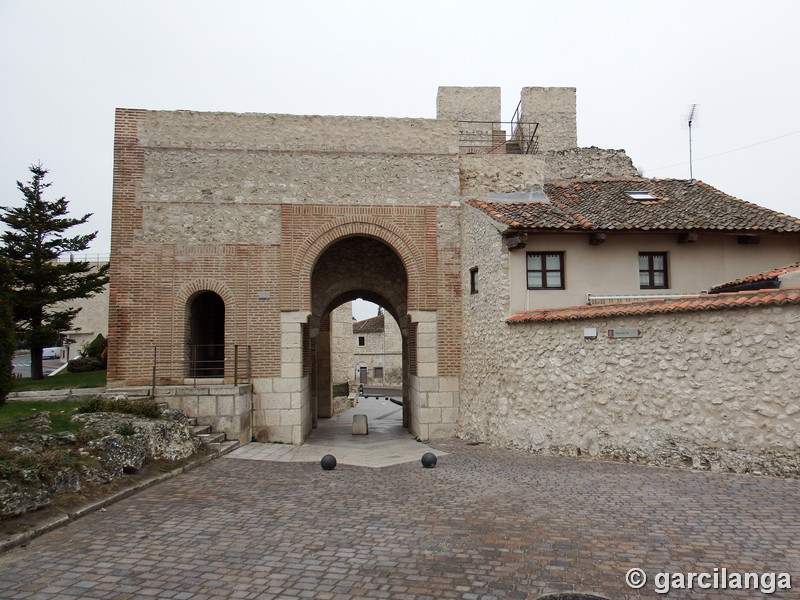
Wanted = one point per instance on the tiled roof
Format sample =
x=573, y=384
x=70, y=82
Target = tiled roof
x=758, y=277
x=604, y=205
x=371, y=325
x=525, y=215
x=662, y=305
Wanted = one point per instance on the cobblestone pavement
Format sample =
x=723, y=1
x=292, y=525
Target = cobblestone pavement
x=485, y=523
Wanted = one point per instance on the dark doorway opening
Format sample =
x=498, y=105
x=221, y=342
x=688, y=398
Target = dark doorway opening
x=207, y=336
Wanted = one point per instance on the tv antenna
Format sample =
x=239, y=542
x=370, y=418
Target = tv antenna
x=692, y=113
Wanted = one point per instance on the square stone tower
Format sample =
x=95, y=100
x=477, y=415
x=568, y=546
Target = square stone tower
x=554, y=109
x=468, y=104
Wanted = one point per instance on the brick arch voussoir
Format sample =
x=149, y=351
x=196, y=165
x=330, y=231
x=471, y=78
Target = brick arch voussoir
x=192, y=289
x=380, y=229
x=198, y=286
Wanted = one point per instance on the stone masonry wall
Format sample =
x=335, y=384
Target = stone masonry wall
x=484, y=311
x=248, y=176
x=211, y=158
x=342, y=344
x=709, y=390
x=484, y=173
x=587, y=163
x=393, y=367
x=226, y=408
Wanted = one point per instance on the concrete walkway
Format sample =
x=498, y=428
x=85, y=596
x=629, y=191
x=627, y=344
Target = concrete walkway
x=388, y=442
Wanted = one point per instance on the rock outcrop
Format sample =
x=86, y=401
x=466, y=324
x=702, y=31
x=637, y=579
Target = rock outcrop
x=108, y=446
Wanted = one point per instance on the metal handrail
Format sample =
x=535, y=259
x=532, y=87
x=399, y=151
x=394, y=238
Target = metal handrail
x=177, y=364
x=520, y=131
x=90, y=258
x=493, y=137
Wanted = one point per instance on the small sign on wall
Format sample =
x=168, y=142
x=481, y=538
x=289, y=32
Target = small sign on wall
x=625, y=333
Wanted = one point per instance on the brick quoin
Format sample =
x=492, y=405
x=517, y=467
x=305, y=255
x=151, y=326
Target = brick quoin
x=126, y=218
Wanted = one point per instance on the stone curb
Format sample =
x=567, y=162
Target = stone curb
x=56, y=394
x=60, y=394
x=23, y=538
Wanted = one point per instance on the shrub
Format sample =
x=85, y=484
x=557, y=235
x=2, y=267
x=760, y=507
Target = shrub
x=96, y=349
x=126, y=429
x=92, y=358
x=84, y=364
x=140, y=408
x=91, y=405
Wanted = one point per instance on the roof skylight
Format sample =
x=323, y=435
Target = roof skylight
x=640, y=195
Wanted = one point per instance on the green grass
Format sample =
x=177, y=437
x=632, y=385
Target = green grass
x=14, y=411
x=61, y=381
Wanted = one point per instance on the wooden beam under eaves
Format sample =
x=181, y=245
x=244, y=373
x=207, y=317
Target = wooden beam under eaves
x=687, y=237
x=749, y=240
x=516, y=241
x=596, y=238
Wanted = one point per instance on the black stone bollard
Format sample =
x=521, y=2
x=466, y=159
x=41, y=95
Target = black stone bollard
x=328, y=462
x=428, y=460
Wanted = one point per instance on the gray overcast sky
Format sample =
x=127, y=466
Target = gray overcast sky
x=637, y=66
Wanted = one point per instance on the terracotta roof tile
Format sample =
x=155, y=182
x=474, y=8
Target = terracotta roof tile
x=371, y=325
x=766, y=276
x=604, y=205
x=662, y=305
x=521, y=214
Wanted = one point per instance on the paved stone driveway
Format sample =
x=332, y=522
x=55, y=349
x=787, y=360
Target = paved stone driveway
x=485, y=523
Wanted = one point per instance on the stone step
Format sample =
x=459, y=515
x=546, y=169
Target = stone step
x=224, y=447
x=217, y=441
x=212, y=438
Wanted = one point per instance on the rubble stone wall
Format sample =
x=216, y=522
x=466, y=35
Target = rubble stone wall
x=713, y=390
x=587, y=163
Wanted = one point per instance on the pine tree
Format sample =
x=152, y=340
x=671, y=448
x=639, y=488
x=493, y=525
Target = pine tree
x=7, y=338
x=33, y=241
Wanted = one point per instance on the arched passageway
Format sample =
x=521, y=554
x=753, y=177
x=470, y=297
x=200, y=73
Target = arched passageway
x=351, y=268
x=206, y=340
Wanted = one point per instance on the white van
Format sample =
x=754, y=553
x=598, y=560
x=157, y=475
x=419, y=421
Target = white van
x=51, y=353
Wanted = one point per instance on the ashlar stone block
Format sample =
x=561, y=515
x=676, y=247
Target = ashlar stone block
x=360, y=425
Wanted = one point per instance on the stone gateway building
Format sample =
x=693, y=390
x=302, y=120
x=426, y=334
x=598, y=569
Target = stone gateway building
x=235, y=236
